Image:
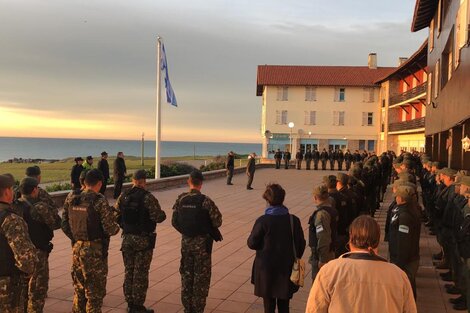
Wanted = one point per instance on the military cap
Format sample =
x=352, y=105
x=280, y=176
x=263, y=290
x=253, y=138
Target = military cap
x=6, y=182
x=139, y=174
x=104, y=153
x=342, y=178
x=89, y=157
x=320, y=191
x=465, y=180
x=436, y=164
x=448, y=172
x=78, y=159
x=33, y=171
x=405, y=192
x=402, y=182
x=196, y=174
x=28, y=183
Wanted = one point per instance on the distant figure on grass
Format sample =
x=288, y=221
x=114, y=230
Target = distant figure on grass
x=273, y=237
x=119, y=174
x=88, y=165
x=250, y=170
x=361, y=281
x=103, y=166
x=230, y=167
x=75, y=173
x=197, y=218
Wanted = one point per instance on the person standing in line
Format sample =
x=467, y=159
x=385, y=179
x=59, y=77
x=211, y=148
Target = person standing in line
x=340, y=157
x=89, y=222
x=348, y=159
x=287, y=157
x=278, y=158
x=18, y=256
x=88, y=165
x=138, y=215
x=361, y=281
x=332, y=158
x=75, y=173
x=119, y=173
x=103, y=166
x=250, y=170
x=230, y=167
x=323, y=157
x=35, y=172
x=323, y=224
x=298, y=159
x=308, y=159
x=316, y=158
x=197, y=218
x=273, y=237
x=42, y=220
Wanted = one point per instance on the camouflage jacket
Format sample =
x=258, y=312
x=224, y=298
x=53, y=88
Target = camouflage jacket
x=198, y=243
x=102, y=207
x=15, y=230
x=41, y=211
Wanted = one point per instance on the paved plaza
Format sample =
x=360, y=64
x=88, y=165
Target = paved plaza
x=231, y=290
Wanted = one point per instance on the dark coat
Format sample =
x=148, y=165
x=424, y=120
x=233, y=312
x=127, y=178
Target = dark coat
x=119, y=167
x=271, y=237
x=230, y=161
x=75, y=175
x=103, y=166
x=251, y=166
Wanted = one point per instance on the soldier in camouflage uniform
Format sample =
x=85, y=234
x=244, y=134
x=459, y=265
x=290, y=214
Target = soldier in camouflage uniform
x=42, y=220
x=88, y=221
x=17, y=253
x=197, y=218
x=35, y=172
x=138, y=215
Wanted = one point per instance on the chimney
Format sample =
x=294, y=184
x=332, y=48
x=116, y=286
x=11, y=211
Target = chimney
x=372, y=61
x=401, y=60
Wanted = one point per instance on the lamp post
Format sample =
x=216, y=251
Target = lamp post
x=291, y=125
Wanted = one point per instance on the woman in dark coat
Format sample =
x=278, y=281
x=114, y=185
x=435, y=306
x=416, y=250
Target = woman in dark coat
x=271, y=237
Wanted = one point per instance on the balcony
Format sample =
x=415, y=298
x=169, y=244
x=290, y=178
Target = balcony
x=409, y=95
x=406, y=125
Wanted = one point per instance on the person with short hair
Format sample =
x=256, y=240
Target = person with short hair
x=75, y=173
x=138, y=215
x=361, y=281
x=230, y=166
x=88, y=165
x=103, y=166
x=89, y=222
x=197, y=218
x=273, y=236
x=250, y=170
x=119, y=173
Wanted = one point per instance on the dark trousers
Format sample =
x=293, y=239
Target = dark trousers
x=340, y=165
x=229, y=174
x=410, y=270
x=332, y=164
x=286, y=164
x=118, y=180
x=307, y=164
x=103, y=187
x=299, y=164
x=323, y=164
x=271, y=303
x=315, y=164
x=278, y=163
x=348, y=165
x=250, y=180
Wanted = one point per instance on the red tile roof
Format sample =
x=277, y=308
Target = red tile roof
x=287, y=75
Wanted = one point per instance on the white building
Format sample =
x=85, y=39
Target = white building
x=330, y=106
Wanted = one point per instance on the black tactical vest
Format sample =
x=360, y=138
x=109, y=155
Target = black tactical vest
x=312, y=234
x=192, y=219
x=135, y=217
x=39, y=232
x=7, y=260
x=84, y=221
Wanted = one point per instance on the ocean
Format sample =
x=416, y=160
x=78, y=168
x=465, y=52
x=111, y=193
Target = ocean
x=51, y=148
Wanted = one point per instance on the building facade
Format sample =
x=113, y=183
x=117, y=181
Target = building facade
x=448, y=88
x=317, y=107
x=403, y=105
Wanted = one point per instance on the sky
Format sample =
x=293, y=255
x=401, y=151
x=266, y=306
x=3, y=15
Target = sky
x=87, y=68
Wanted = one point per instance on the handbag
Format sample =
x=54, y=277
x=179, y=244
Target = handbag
x=298, y=268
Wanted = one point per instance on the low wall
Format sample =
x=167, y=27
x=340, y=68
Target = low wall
x=159, y=184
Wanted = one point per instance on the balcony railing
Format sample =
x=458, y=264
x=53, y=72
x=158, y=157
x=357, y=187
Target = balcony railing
x=406, y=125
x=409, y=94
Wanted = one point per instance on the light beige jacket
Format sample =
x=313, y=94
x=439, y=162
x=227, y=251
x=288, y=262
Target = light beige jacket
x=348, y=285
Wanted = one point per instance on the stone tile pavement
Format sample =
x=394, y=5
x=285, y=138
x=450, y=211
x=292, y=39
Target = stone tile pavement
x=231, y=290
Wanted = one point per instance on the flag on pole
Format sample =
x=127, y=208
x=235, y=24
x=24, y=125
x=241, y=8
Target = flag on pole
x=170, y=94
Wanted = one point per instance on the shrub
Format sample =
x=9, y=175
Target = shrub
x=59, y=187
x=171, y=169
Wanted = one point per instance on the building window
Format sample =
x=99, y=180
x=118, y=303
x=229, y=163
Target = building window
x=367, y=118
x=371, y=145
x=310, y=93
x=338, y=118
x=429, y=91
x=340, y=94
x=281, y=117
x=310, y=117
x=431, y=35
x=368, y=95
x=362, y=144
x=282, y=92
x=436, y=78
x=461, y=29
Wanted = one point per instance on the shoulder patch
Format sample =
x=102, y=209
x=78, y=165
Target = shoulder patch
x=319, y=228
x=403, y=229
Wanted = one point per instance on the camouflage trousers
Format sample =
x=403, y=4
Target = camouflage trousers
x=38, y=284
x=137, y=258
x=195, y=272
x=89, y=271
x=13, y=294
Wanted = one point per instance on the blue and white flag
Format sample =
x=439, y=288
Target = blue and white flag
x=170, y=94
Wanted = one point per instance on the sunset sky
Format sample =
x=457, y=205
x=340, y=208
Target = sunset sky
x=86, y=69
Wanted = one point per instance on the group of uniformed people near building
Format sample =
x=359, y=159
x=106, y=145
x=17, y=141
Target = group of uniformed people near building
x=29, y=216
x=335, y=158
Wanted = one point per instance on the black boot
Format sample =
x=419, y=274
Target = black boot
x=141, y=309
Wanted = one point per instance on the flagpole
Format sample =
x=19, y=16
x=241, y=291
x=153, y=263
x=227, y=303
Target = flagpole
x=159, y=110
